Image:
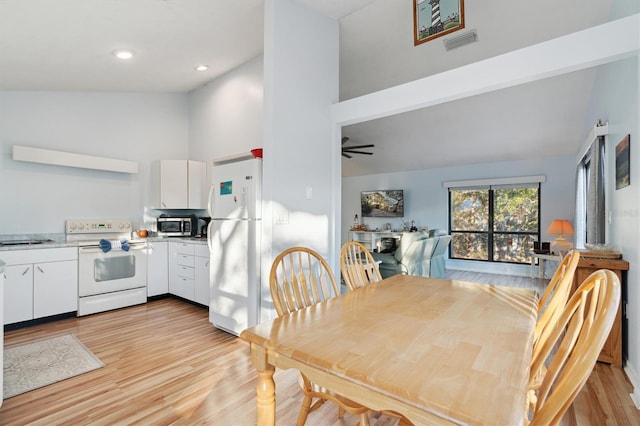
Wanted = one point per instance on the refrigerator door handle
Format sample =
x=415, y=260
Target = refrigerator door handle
x=235, y=219
x=209, y=236
x=210, y=203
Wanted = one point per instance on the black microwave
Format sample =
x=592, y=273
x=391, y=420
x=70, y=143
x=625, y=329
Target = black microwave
x=177, y=226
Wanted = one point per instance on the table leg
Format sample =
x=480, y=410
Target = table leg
x=266, y=387
x=533, y=265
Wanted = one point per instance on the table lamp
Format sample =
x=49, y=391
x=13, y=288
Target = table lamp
x=560, y=227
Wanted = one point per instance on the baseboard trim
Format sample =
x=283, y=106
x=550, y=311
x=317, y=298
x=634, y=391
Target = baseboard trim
x=490, y=267
x=633, y=378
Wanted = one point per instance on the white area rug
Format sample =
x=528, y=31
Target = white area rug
x=36, y=364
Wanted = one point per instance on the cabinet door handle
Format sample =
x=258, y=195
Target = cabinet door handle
x=25, y=271
x=206, y=263
x=40, y=269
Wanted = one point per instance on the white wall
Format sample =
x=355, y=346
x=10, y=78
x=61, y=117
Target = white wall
x=38, y=198
x=615, y=99
x=426, y=200
x=301, y=83
x=225, y=115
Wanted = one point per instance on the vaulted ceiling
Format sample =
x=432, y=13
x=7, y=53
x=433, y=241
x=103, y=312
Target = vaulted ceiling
x=66, y=45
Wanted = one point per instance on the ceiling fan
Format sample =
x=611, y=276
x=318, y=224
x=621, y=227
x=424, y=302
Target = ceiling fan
x=346, y=150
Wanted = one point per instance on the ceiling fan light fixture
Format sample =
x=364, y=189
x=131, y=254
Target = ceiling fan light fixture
x=346, y=150
x=467, y=37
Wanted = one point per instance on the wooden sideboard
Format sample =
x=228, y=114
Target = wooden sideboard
x=612, y=351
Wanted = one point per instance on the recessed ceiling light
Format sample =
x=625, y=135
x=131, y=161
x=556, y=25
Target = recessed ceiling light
x=123, y=54
x=202, y=68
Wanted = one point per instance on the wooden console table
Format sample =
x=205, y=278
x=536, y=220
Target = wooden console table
x=371, y=239
x=612, y=350
x=541, y=258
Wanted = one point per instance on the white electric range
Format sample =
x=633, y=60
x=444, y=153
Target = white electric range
x=112, y=269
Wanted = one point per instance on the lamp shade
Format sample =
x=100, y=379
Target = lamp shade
x=560, y=227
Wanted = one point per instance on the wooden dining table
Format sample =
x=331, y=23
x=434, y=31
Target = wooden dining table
x=436, y=351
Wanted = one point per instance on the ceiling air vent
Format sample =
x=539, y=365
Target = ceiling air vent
x=460, y=40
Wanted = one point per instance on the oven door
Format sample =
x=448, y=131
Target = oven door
x=100, y=272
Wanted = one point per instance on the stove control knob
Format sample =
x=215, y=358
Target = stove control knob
x=72, y=226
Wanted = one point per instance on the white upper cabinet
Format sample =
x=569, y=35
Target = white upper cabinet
x=174, y=184
x=197, y=184
x=179, y=184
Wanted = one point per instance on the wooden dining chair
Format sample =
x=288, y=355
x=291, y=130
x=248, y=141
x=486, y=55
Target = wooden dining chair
x=358, y=266
x=555, y=296
x=577, y=338
x=550, y=307
x=299, y=278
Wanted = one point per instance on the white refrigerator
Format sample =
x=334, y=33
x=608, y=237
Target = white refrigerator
x=234, y=237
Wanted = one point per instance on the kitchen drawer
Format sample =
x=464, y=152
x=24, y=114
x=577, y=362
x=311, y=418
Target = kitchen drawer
x=186, y=272
x=183, y=287
x=185, y=248
x=186, y=260
x=201, y=250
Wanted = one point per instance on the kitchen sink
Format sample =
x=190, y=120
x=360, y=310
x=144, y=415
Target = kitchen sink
x=23, y=242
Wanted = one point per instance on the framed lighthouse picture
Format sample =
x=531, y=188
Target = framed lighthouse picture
x=435, y=18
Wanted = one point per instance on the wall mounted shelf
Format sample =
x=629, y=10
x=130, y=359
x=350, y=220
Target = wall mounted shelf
x=232, y=158
x=68, y=159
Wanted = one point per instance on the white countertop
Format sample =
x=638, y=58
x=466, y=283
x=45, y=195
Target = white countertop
x=43, y=245
x=193, y=240
x=59, y=241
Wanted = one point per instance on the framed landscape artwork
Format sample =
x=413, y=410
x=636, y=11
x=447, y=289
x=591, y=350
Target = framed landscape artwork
x=435, y=18
x=382, y=203
x=622, y=162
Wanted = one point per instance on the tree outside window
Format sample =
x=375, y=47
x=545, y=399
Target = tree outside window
x=495, y=224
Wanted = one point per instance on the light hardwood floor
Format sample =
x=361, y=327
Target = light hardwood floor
x=166, y=364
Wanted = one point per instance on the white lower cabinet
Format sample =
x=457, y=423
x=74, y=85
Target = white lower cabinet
x=181, y=272
x=55, y=288
x=202, y=261
x=1, y=329
x=18, y=293
x=189, y=271
x=40, y=283
x=157, y=269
